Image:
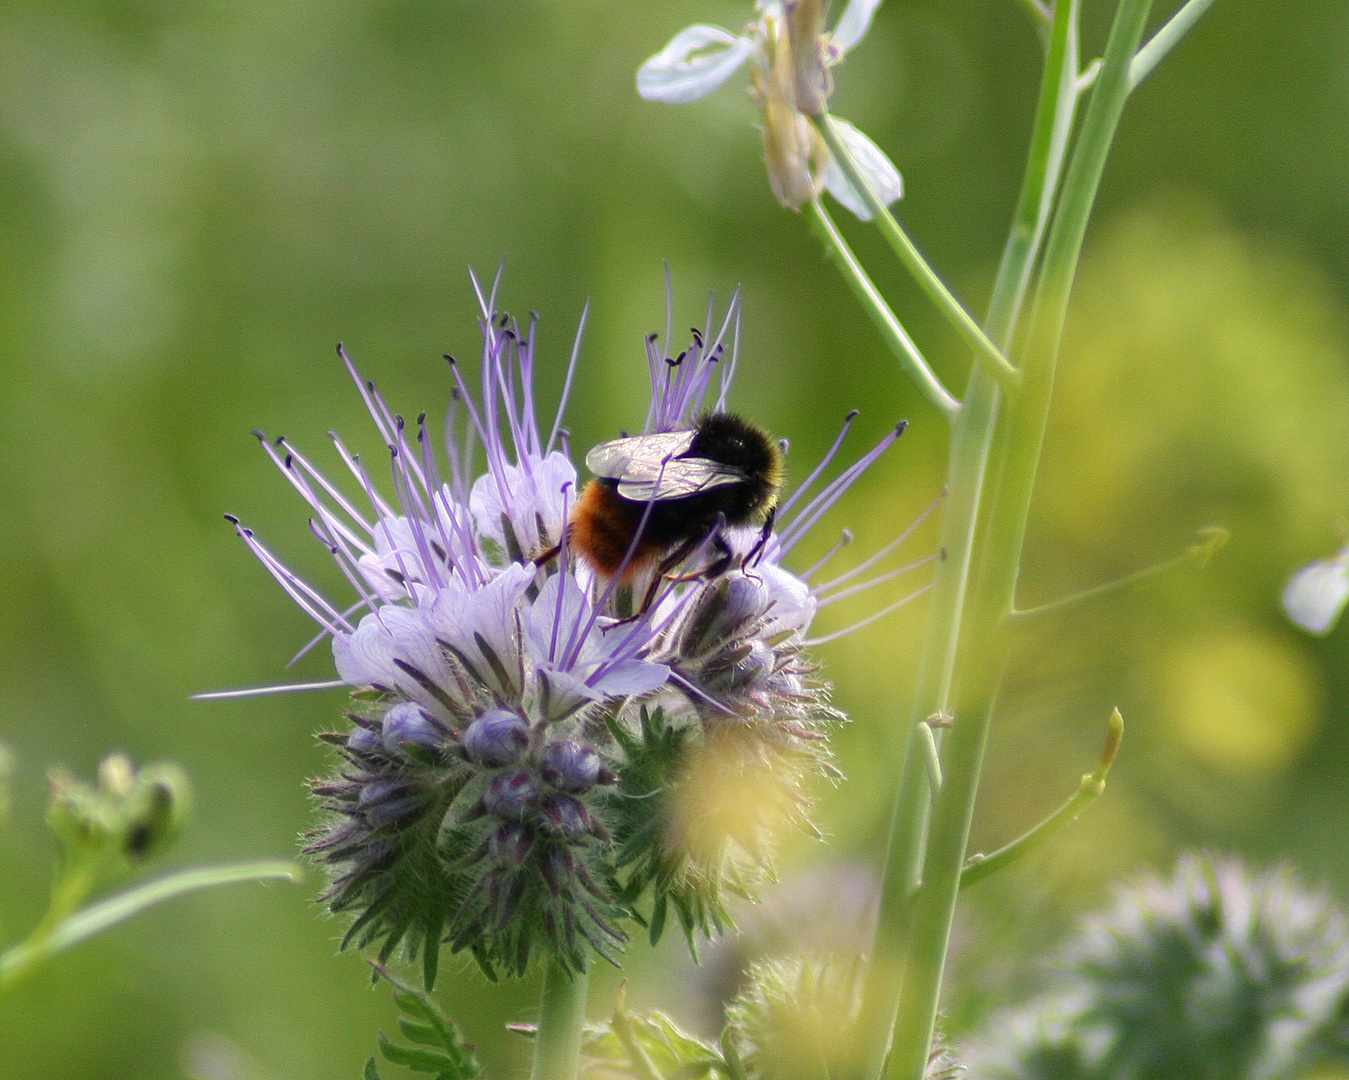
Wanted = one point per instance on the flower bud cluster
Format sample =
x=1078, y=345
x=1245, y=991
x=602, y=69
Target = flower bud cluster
x=528, y=761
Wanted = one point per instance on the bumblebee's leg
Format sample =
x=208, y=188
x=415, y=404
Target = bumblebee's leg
x=677, y=556
x=764, y=534
x=543, y=558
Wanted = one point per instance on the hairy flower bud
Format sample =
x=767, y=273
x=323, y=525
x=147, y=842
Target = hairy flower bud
x=570, y=766
x=510, y=795
x=407, y=725
x=496, y=738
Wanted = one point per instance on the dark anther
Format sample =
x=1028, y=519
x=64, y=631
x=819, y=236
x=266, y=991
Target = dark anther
x=450, y=358
x=852, y=415
x=259, y=435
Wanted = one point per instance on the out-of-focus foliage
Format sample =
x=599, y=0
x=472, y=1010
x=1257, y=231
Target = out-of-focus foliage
x=199, y=198
x=1213, y=973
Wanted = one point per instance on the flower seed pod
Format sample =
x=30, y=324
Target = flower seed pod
x=496, y=738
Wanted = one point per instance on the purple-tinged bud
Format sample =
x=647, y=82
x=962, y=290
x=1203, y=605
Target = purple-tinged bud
x=364, y=741
x=558, y=869
x=386, y=802
x=406, y=725
x=567, y=816
x=509, y=846
x=723, y=611
x=570, y=766
x=510, y=795
x=496, y=738
x=750, y=669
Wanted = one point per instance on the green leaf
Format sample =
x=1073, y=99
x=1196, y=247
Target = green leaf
x=431, y=1061
x=647, y=1046
x=371, y=1071
x=423, y=1022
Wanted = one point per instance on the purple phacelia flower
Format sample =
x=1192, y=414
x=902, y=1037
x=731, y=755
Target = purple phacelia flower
x=524, y=750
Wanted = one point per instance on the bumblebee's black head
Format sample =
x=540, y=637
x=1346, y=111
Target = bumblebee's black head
x=733, y=440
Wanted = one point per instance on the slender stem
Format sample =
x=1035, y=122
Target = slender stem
x=910, y=359
x=913, y=260
x=1164, y=40
x=983, y=652
x=971, y=439
x=69, y=927
x=557, y=1047
x=978, y=867
x=1197, y=555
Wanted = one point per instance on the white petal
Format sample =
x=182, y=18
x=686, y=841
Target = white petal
x=1316, y=594
x=853, y=24
x=676, y=75
x=871, y=161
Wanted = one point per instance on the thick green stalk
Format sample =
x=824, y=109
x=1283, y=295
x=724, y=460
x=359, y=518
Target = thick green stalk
x=562, y=1010
x=970, y=441
x=984, y=648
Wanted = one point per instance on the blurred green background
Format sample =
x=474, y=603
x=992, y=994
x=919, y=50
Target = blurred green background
x=199, y=198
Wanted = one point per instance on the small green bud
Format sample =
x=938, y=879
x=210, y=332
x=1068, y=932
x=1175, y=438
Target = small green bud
x=134, y=814
x=154, y=810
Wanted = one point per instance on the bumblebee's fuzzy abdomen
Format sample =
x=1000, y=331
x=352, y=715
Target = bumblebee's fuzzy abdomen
x=603, y=522
x=602, y=526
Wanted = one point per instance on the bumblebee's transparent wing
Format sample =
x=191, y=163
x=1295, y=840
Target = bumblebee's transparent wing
x=638, y=457
x=679, y=477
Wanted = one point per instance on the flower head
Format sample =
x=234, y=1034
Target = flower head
x=791, y=60
x=527, y=757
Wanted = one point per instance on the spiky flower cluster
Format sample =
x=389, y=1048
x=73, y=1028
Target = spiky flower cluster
x=1214, y=974
x=527, y=756
x=795, y=1018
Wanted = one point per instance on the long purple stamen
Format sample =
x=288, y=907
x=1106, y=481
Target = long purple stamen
x=896, y=542
x=810, y=643
x=566, y=385
x=802, y=488
x=821, y=504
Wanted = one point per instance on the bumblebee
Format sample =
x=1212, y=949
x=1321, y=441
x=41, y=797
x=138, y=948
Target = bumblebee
x=656, y=498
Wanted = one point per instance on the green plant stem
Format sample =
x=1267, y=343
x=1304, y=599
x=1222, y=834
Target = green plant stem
x=63, y=926
x=983, y=651
x=912, y=259
x=1196, y=555
x=978, y=867
x=1164, y=40
x=971, y=438
x=557, y=1047
x=906, y=352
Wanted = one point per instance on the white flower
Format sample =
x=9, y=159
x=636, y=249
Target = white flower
x=791, y=81
x=1315, y=596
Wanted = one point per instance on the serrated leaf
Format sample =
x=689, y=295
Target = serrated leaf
x=426, y=1024
x=430, y=1061
x=419, y=1033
